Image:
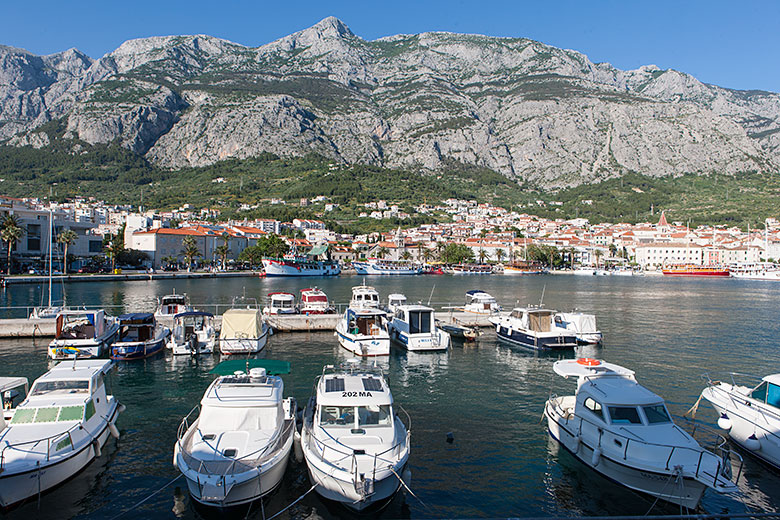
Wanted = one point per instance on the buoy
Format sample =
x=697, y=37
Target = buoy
x=96, y=447
x=297, y=448
x=596, y=457
x=121, y=408
x=724, y=423
x=450, y=438
x=114, y=430
x=588, y=362
x=407, y=476
x=752, y=443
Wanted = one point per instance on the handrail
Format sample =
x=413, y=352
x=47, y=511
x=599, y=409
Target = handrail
x=48, y=440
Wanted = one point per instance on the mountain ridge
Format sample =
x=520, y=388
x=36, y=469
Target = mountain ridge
x=528, y=110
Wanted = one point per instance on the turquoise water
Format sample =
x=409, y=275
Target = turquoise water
x=489, y=396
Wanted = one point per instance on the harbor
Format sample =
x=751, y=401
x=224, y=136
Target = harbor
x=477, y=445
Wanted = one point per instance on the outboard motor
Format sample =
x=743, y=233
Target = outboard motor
x=192, y=341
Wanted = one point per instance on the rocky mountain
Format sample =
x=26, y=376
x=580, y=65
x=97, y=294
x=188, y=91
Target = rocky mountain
x=513, y=105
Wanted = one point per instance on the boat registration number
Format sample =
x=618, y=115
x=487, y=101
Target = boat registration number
x=356, y=394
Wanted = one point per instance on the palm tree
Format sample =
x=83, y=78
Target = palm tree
x=599, y=253
x=190, y=250
x=222, y=252
x=382, y=252
x=11, y=231
x=67, y=238
x=482, y=255
x=440, y=249
x=406, y=255
x=427, y=254
x=500, y=255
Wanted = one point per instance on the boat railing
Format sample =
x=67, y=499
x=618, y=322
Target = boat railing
x=59, y=437
x=676, y=456
x=766, y=410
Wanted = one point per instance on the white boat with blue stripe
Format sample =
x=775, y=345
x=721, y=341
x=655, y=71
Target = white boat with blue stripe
x=414, y=327
x=534, y=328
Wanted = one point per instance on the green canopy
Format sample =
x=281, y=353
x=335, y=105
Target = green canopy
x=271, y=366
x=318, y=250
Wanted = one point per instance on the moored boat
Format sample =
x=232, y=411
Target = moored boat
x=83, y=334
x=533, y=327
x=140, y=336
x=694, y=270
x=414, y=327
x=363, y=331
x=461, y=269
x=171, y=305
x=523, y=267
x=582, y=325
x=364, y=297
x=237, y=449
x=314, y=301
x=480, y=302
x=755, y=271
x=295, y=265
x=280, y=303
x=243, y=331
x=193, y=334
x=355, y=445
x=386, y=267
x=623, y=431
x=394, y=301
x=57, y=430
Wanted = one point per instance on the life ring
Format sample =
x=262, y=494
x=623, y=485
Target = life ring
x=588, y=362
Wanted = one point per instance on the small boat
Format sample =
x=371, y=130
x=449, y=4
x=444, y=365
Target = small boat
x=480, y=302
x=750, y=414
x=280, y=303
x=140, y=336
x=364, y=297
x=584, y=271
x=243, y=332
x=459, y=269
x=533, y=328
x=414, y=327
x=694, y=270
x=756, y=271
x=57, y=430
x=523, y=267
x=193, y=334
x=582, y=325
x=83, y=334
x=355, y=445
x=386, y=267
x=432, y=269
x=314, y=301
x=296, y=265
x=171, y=305
x=12, y=392
x=460, y=332
x=363, y=331
x=623, y=431
x=236, y=450
x=394, y=301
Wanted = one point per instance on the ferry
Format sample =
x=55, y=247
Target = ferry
x=387, y=267
x=755, y=271
x=469, y=269
x=296, y=265
x=694, y=270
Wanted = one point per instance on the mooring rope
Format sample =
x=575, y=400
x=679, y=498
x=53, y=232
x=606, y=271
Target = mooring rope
x=295, y=502
x=141, y=502
x=408, y=489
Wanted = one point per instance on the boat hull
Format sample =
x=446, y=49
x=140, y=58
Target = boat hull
x=291, y=268
x=421, y=342
x=368, y=268
x=84, y=349
x=365, y=346
x=518, y=337
x=132, y=351
x=243, y=346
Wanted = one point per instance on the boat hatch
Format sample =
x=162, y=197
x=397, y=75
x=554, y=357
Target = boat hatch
x=50, y=414
x=335, y=384
x=372, y=384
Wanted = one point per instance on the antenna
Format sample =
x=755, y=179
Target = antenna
x=431, y=296
x=541, y=300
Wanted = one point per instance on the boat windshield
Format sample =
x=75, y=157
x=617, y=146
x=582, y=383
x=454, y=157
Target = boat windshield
x=419, y=322
x=316, y=298
x=337, y=416
x=374, y=415
x=60, y=387
x=370, y=415
x=656, y=414
x=767, y=393
x=624, y=415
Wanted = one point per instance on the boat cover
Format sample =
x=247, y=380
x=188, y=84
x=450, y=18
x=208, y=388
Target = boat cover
x=578, y=322
x=136, y=318
x=241, y=323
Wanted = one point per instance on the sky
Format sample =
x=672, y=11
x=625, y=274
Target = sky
x=733, y=44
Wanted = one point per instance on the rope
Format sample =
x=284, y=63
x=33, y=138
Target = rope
x=694, y=408
x=295, y=502
x=407, y=488
x=139, y=503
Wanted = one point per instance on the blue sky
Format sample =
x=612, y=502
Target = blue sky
x=732, y=44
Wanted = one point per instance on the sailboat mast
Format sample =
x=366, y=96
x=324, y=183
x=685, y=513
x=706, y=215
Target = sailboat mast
x=51, y=228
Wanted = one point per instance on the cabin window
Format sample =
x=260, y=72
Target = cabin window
x=419, y=322
x=759, y=394
x=63, y=387
x=594, y=407
x=624, y=415
x=90, y=410
x=656, y=414
x=337, y=416
x=374, y=415
x=773, y=396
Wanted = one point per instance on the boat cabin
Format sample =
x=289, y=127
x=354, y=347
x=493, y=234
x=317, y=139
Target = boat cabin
x=482, y=302
x=537, y=320
x=768, y=392
x=366, y=322
x=281, y=303
x=364, y=297
x=314, y=300
x=80, y=324
x=173, y=304
x=394, y=301
x=137, y=327
x=186, y=323
x=415, y=319
x=242, y=324
x=353, y=404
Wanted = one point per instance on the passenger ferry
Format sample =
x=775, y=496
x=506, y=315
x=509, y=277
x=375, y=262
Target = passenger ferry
x=387, y=267
x=523, y=267
x=459, y=269
x=296, y=265
x=694, y=270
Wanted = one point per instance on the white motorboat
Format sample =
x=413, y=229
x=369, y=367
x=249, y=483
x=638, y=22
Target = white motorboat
x=394, y=301
x=533, y=327
x=480, y=302
x=280, y=303
x=414, y=327
x=83, y=334
x=750, y=414
x=12, y=392
x=297, y=265
x=237, y=449
x=314, y=301
x=364, y=297
x=193, y=334
x=582, y=325
x=57, y=430
x=624, y=431
x=364, y=332
x=755, y=271
x=140, y=337
x=171, y=305
x=355, y=445
x=243, y=332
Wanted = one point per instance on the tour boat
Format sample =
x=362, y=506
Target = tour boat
x=364, y=297
x=171, y=305
x=533, y=328
x=193, y=334
x=140, y=336
x=756, y=271
x=623, y=431
x=388, y=267
x=314, y=301
x=469, y=269
x=363, y=331
x=12, y=392
x=83, y=334
x=694, y=270
x=243, y=331
x=523, y=267
x=480, y=302
x=57, y=430
x=280, y=303
x=236, y=450
x=355, y=445
x=750, y=414
x=414, y=327
x=394, y=301
x=295, y=265
x=582, y=325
